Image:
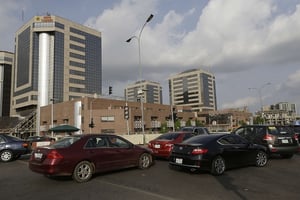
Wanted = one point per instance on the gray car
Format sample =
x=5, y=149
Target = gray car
x=278, y=139
x=197, y=130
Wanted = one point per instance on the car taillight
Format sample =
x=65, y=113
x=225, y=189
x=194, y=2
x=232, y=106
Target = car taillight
x=54, y=155
x=25, y=145
x=296, y=136
x=169, y=145
x=269, y=137
x=199, y=151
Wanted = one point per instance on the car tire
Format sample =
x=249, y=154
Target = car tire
x=261, y=159
x=218, y=166
x=145, y=161
x=6, y=155
x=83, y=172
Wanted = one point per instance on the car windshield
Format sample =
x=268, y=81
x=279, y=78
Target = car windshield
x=65, y=142
x=187, y=129
x=168, y=136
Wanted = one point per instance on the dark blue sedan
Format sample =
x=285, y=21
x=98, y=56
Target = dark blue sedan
x=12, y=148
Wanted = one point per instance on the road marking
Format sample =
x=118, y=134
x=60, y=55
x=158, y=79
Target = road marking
x=137, y=190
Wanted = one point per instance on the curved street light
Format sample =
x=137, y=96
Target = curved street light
x=140, y=68
x=139, y=42
x=260, y=95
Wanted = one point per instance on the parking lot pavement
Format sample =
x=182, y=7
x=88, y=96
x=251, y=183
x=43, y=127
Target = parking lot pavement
x=278, y=180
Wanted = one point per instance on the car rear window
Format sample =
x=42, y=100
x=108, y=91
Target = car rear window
x=65, y=142
x=14, y=138
x=200, y=139
x=278, y=130
x=296, y=129
x=168, y=136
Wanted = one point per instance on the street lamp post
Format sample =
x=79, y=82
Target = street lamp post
x=52, y=113
x=140, y=92
x=260, y=95
x=91, y=125
x=259, y=90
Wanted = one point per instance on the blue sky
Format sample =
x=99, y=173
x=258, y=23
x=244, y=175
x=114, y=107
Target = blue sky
x=246, y=44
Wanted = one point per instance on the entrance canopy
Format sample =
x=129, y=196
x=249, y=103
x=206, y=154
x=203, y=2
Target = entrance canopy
x=64, y=128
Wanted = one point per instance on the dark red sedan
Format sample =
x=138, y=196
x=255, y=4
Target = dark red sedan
x=162, y=145
x=80, y=156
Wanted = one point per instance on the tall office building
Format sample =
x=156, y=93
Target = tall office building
x=151, y=92
x=56, y=60
x=195, y=88
x=6, y=63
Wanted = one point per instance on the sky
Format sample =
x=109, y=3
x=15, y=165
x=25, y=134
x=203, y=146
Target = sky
x=245, y=44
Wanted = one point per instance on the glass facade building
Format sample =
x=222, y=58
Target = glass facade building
x=195, y=88
x=151, y=92
x=6, y=63
x=56, y=60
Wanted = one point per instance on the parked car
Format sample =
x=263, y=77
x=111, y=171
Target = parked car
x=81, y=156
x=34, y=141
x=39, y=138
x=216, y=153
x=296, y=130
x=198, y=130
x=162, y=145
x=12, y=148
x=278, y=139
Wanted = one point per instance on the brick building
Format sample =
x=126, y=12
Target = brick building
x=108, y=116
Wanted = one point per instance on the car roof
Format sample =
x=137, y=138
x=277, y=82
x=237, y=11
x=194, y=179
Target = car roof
x=93, y=135
x=211, y=136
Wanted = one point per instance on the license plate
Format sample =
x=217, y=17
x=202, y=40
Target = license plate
x=178, y=160
x=157, y=146
x=38, y=155
x=285, y=141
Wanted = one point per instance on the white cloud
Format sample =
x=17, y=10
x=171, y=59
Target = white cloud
x=239, y=103
x=230, y=36
x=233, y=39
x=10, y=19
x=294, y=80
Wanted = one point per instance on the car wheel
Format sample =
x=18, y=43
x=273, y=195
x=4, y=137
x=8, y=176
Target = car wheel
x=83, y=172
x=261, y=159
x=6, y=156
x=218, y=166
x=145, y=161
x=286, y=155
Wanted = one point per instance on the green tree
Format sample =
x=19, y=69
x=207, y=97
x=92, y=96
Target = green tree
x=164, y=128
x=199, y=123
x=258, y=120
x=188, y=123
x=177, y=125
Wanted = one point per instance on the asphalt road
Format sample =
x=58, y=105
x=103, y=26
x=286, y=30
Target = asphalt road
x=280, y=179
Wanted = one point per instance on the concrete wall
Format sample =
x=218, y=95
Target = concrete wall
x=135, y=139
x=138, y=138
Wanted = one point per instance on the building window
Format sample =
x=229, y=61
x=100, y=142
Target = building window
x=107, y=131
x=107, y=119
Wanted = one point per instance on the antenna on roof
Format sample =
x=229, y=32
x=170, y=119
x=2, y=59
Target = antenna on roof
x=22, y=14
